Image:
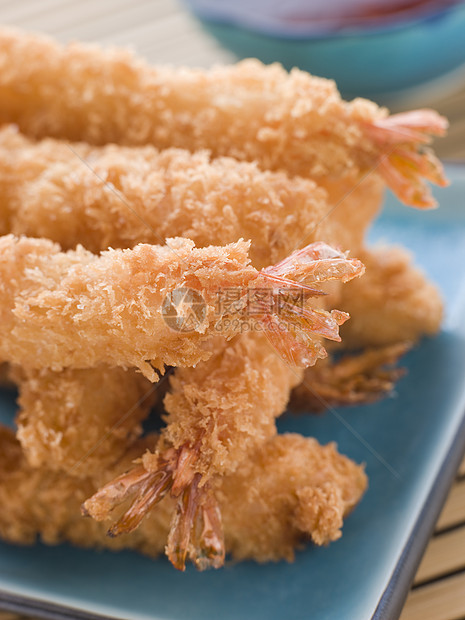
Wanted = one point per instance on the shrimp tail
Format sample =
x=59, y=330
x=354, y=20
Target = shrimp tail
x=403, y=161
x=293, y=328
x=195, y=531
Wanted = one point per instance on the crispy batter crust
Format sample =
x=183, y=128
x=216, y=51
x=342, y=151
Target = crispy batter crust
x=392, y=303
x=80, y=421
x=287, y=491
x=297, y=487
x=122, y=196
x=77, y=309
x=249, y=111
x=291, y=121
x=229, y=402
x=219, y=443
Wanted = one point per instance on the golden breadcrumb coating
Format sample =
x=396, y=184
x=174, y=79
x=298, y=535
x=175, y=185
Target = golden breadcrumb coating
x=76, y=309
x=42, y=503
x=228, y=404
x=80, y=420
x=216, y=414
x=47, y=190
x=249, y=111
x=54, y=411
x=51, y=192
x=125, y=196
x=354, y=204
x=299, y=488
x=392, y=303
x=288, y=490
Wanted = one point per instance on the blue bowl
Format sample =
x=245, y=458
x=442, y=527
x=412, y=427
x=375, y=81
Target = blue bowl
x=378, y=60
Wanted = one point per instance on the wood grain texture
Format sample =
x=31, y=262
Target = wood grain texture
x=453, y=513
x=443, y=600
x=444, y=555
x=461, y=471
x=439, y=586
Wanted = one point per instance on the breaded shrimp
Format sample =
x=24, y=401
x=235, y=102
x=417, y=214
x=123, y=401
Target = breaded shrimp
x=289, y=490
x=73, y=193
x=393, y=303
x=48, y=272
x=300, y=489
x=117, y=197
x=134, y=307
x=225, y=424
x=210, y=430
x=40, y=502
x=79, y=421
x=249, y=111
x=66, y=188
x=217, y=414
x=47, y=190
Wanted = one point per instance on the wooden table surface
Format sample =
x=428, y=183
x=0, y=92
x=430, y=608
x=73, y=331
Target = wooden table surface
x=164, y=32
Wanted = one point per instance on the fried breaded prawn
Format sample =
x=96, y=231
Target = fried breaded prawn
x=249, y=111
x=392, y=307
x=64, y=424
x=41, y=502
x=115, y=196
x=393, y=303
x=118, y=196
x=209, y=430
x=79, y=421
x=225, y=424
x=289, y=490
x=112, y=305
x=318, y=264
x=213, y=431
x=47, y=190
x=300, y=489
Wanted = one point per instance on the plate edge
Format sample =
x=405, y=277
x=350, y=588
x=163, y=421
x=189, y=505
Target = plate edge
x=392, y=600
x=42, y=609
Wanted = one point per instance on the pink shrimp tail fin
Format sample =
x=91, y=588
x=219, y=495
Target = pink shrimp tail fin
x=293, y=328
x=405, y=163
x=195, y=531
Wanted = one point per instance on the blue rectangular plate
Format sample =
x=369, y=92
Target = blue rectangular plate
x=419, y=433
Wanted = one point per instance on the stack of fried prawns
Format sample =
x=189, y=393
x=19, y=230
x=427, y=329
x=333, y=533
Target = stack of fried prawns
x=237, y=198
